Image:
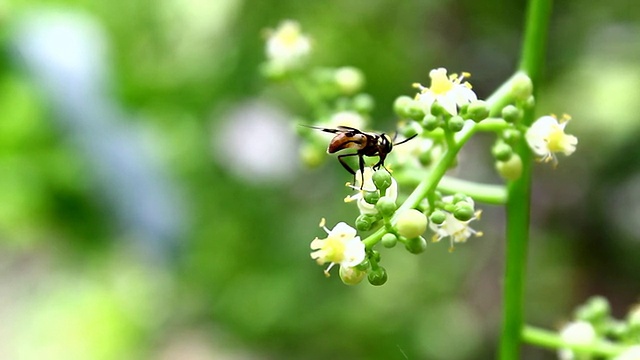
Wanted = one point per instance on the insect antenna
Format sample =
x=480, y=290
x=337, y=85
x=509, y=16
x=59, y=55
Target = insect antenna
x=405, y=140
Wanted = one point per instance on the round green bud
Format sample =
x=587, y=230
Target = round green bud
x=411, y=129
x=389, y=240
x=378, y=276
x=430, y=122
x=363, y=103
x=463, y=211
x=371, y=197
x=478, y=111
x=511, y=114
x=522, y=87
x=425, y=158
x=351, y=275
x=386, y=206
x=349, y=79
x=437, y=217
x=458, y=197
x=415, y=110
x=511, y=136
x=455, y=123
x=364, y=222
x=401, y=106
x=416, y=245
x=411, y=223
x=375, y=256
x=381, y=179
x=595, y=309
x=530, y=103
x=437, y=109
x=510, y=169
x=501, y=151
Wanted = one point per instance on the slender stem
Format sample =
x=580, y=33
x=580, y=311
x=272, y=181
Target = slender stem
x=519, y=192
x=552, y=340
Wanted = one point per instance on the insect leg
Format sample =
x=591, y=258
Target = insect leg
x=345, y=165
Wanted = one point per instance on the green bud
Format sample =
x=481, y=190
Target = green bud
x=511, y=114
x=455, y=123
x=371, y=197
x=463, y=211
x=415, y=110
x=381, y=179
x=522, y=87
x=416, y=245
x=530, y=103
x=401, y=106
x=437, y=217
x=364, y=222
x=375, y=256
x=594, y=310
x=378, y=276
x=411, y=223
x=478, y=111
x=510, y=169
x=458, y=197
x=411, y=129
x=351, y=275
x=511, y=136
x=364, y=265
x=386, y=206
x=437, y=109
x=425, y=158
x=349, y=79
x=501, y=151
x=363, y=103
x=389, y=240
x=430, y=122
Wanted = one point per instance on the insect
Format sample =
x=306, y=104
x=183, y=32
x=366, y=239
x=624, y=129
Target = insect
x=366, y=144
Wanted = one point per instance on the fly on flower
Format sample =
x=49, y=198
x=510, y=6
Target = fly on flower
x=365, y=144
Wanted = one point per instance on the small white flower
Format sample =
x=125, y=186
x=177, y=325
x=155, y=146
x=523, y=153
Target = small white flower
x=576, y=333
x=369, y=186
x=342, y=246
x=456, y=230
x=632, y=353
x=450, y=92
x=546, y=137
x=287, y=45
x=346, y=118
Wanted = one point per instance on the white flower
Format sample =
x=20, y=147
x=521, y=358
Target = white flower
x=450, y=92
x=576, y=333
x=369, y=186
x=287, y=45
x=342, y=246
x=346, y=118
x=456, y=230
x=632, y=353
x=546, y=137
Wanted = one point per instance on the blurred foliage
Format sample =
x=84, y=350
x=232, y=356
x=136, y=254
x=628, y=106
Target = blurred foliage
x=73, y=283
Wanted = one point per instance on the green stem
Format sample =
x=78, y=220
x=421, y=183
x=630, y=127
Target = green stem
x=519, y=192
x=552, y=340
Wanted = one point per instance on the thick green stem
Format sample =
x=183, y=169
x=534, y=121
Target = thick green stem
x=519, y=192
x=552, y=340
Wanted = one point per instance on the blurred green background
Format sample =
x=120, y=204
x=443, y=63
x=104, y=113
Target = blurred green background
x=152, y=205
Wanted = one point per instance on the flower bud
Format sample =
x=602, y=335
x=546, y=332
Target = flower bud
x=430, y=122
x=378, y=276
x=411, y=129
x=501, y=151
x=458, y=197
x=455, y=123
x=371, y=197
x=437, y=109
x=511, y=113
x=349, y=79
x=478, y=111
x=510, y=169
x=511, y=136
x=351, y=275
x=595, y=309
x=401, y=106
x=411, y=223
x=386, y=206
x=522, y=87
x=416, y=245
x=415, y=110
x=389, y=240
x=463, y=211
x=363, y=103
x=437, y=217
x=381, y=179
x=530, y=103
x=364, y=222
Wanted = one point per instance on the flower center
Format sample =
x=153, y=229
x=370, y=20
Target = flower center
x=334, y=248
x=556, y=139
x=440, y=83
